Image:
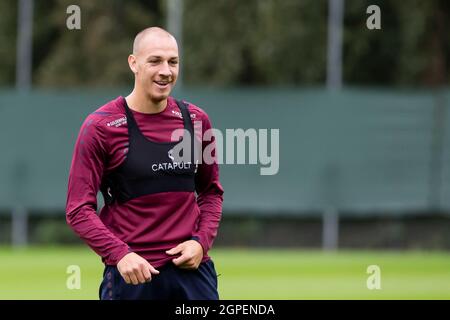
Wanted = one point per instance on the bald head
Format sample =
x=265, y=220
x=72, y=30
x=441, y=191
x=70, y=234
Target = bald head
x=149, y=35
x=155, y=64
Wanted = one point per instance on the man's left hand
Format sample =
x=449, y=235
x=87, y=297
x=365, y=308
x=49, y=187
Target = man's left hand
x=191, y=254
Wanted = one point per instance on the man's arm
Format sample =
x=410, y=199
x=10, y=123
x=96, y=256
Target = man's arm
x=209, y=199
x=209, y=195
x=85, y=176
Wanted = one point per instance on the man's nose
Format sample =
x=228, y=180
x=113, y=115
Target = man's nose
x=165, y=70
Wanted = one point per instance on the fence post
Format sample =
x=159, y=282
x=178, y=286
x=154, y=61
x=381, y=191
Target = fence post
x=175, y=27
x=24, y=44
x=437, y=151
x=330, y=229
x=330, y=218
x=19, y=226
x=334, y=44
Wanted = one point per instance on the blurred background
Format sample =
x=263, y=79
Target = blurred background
x=364, y=126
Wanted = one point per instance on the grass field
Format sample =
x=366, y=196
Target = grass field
x=40, y=273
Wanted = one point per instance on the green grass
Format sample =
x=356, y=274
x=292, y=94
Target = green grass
x=40, y=273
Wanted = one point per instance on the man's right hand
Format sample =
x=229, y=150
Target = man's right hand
x=135, y=269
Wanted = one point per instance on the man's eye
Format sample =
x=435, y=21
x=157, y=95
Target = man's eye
x=154, y=61
x=174, y=62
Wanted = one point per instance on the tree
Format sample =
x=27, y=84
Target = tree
x=8, y=31
x=97, y=54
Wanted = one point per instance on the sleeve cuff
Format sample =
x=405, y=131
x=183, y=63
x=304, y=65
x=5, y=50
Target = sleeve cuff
x=197, y=238
x=115, y=260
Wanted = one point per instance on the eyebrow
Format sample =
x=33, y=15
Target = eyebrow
x=159, y=57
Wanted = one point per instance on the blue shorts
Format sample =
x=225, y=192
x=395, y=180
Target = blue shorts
x=172, y=283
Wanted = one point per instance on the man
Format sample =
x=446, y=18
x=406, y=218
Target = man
x=153, y=233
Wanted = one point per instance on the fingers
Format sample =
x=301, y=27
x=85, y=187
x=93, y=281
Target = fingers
x=152, y=269
x=133, y=278
x=147, y=271
x=179, y=248
x=146, y=274
x=191, y=254
x=181, y=259
x=187, y=261
x=126, y=278
x=139, y=274
x=135, y=270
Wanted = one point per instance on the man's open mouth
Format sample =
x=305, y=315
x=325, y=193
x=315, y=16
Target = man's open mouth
x=162, y=84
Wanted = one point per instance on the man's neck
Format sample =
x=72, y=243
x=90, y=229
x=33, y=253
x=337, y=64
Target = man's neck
x=141, y=103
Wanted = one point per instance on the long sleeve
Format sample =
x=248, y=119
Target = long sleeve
x=209, y=196
x=89, y=156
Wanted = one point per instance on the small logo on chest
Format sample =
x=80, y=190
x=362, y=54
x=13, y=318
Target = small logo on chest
x=117, y=123
x=173, y=165
x=178, y=113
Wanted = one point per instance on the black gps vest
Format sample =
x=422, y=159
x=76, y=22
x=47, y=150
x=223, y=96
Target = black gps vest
x=150, y=167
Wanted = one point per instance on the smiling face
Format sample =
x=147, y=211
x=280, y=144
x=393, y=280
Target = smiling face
x=154, y=63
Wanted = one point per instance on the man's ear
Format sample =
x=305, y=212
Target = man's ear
x=132, y=63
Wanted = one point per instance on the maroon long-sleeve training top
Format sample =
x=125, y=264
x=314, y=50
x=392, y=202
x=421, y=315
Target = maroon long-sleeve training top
x=147, y=225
